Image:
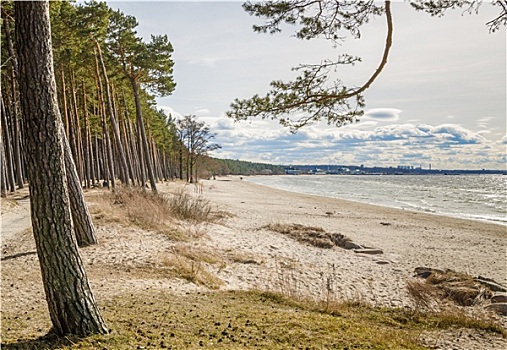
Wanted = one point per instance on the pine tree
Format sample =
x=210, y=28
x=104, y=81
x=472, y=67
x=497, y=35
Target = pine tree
x=71, y=303
x=144, y=65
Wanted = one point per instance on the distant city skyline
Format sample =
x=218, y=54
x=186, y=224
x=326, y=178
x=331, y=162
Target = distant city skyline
x=440, y=99
x=381, y=169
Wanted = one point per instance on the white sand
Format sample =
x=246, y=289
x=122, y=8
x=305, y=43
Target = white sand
x=408, y=240
x=128, y=259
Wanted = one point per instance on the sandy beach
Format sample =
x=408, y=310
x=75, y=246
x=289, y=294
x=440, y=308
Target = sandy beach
x=407, y=239
x=252, y=256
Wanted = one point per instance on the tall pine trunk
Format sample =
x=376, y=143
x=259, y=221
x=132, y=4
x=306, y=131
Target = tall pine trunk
x=109, y=175
x=78, y=158
x=142, y=133
x=86, y=139
x=16, y=134
x=71, y=304
x=110, y=108
x=7, y=147
x=81, y=218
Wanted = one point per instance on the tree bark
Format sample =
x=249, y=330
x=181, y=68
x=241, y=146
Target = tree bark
x=134, y=154
x=86, y=139
x=109, y=175
x=123, y=134
x=144, y=141
x=83, y=225
x=116, y=131
x=64, y=104
x=15, y=98
x=98, y=162
x=3, y=184
x=71, y=303
x=7, y=147
x=78, y=158
x=16, y=132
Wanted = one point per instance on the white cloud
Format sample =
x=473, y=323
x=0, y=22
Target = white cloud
x=202, y=112
x=204, y=61
x=445, y=146
x=170, y=111
x=483, y=123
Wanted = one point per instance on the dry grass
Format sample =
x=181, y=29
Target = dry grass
x=424, y=295
x=149, y=211
x=198, y=254
x=8, y=203
x=313, y=235
x=195, y=271
x=157, y=213
x=458, y=288
x=130, y=206
x=185, y=206
x=242, y=258
x=233, y=320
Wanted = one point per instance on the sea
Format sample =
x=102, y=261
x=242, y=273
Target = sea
x=475, y=197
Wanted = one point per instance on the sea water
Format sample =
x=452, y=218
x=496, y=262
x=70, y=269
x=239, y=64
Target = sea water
x=476, y=197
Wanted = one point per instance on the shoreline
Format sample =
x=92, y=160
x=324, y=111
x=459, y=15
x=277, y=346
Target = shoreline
x=242, y=252
x=498, y=222
x=409, y=239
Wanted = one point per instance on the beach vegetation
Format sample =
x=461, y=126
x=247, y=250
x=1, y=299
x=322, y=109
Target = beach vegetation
x=156, y=319
x=457, y=288
x=154, y=211
x=193, y=265
x=312, y=235
x=196, y=209
x=133, y=207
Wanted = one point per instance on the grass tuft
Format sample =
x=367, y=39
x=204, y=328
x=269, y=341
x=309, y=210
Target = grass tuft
x=150, y=211
x=131, y=206
x=190, y=208
x=458, y=288
x=313, y=235
x=191, y=264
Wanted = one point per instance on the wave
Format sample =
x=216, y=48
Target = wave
x=477, y=197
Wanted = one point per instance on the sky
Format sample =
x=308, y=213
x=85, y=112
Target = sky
x=441, y=99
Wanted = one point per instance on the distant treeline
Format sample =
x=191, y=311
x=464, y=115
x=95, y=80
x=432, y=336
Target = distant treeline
x=379, y=170
x=239, y=167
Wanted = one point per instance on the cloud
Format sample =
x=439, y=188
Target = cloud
x=361, y=124
x=223, y=124
x=390, y=114
x=201, y=112
x=456, y=134
x=483, y=122
x=204, y=61
x=170, y=111
x=445, y=146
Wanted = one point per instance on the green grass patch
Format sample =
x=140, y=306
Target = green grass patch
x=241, y=320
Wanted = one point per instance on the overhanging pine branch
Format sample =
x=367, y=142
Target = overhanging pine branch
x=309, y=95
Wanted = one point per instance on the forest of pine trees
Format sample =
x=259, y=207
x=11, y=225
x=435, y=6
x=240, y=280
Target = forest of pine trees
x=108, y=78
